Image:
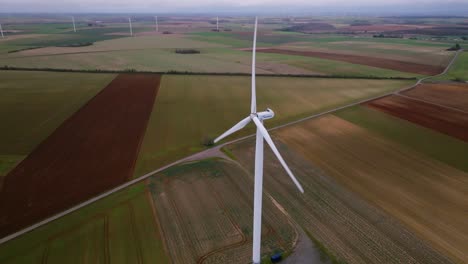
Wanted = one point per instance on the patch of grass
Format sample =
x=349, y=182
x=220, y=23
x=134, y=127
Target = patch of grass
x=436, y=145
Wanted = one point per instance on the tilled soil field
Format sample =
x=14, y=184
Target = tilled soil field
x=448, y=94
x=205, y=212
x=445, y=120
x=364, y=60
x=345, y=173
x=91, y=152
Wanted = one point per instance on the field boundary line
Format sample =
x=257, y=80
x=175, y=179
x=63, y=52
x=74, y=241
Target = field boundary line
x=173, y=72
x=193, y=157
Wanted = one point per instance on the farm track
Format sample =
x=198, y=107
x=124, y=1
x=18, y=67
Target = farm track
x=363, y=60
x=195, y=156
x=84, y=157
x=157, y=222
x=437, y=117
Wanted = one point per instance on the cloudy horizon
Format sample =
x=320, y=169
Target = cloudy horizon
x=455, y=7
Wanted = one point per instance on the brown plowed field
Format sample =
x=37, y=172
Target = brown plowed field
x=449, y=94
x=451, y=122
x=91, y=152
x=364, y=60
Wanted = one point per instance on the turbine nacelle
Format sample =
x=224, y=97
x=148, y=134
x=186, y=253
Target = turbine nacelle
x=268, y=114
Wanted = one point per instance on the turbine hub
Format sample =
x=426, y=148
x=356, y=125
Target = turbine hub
x=268, y=114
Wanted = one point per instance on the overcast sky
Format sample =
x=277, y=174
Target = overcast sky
x=207, y=6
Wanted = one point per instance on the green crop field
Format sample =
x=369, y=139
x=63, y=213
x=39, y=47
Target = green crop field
x=190, y=109
x=34, y=104
x=118, y=229
x=57, y=37
x=458, y=71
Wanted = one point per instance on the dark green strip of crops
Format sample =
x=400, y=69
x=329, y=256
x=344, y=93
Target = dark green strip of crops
x=436, y=145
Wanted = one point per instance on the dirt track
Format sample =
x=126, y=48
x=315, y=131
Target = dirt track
x=91, y=152
x=445, y=120
x=364, y=60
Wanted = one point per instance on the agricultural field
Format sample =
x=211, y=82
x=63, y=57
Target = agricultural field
x=450, y=121
x=452, y=95
x=431, y=55
x=121, y=228
x=207, y=214
x=201, y=223
x=34, y=104
x=385, y=181
x=108, y=47
x=346, y=226
x=202, y=107
x=91, y=152
x=391, y=64
x=156, y=53
x=442, y=147
x=406, y=184
x=458, y=71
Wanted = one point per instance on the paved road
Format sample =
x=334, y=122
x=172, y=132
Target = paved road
x=203, y=154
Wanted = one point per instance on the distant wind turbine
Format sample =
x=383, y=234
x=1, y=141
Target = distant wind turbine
x=1, y=31
x=73, y=20
x=157, y=25
x=262, y=134
x=217, y=23
x=130, y=25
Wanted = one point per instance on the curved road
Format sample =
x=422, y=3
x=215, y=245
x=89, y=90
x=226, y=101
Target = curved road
x=207, y=153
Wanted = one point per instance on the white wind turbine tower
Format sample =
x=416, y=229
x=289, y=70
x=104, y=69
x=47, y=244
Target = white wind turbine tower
x=217, y=23
x=130, y=25
x=1, y=31
x=73, y=20
x=156, y=21
x=262, y=134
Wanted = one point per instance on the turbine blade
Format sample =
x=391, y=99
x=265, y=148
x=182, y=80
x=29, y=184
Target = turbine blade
x=234, y=129
x=253, y=106
x=268, y=139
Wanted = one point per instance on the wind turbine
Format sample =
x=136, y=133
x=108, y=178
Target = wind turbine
x=217, y=23
x=73, y=20
x=130, y=25
x=262, y=134
x=156, y=21
x=1, y=31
